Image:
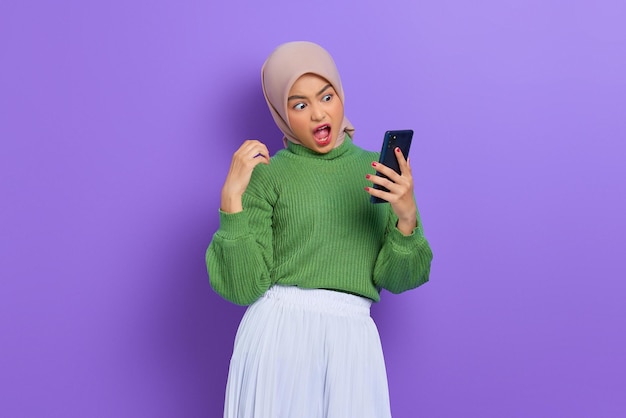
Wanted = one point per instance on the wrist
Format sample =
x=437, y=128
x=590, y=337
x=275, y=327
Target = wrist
x=231, y=203
x=406, y=226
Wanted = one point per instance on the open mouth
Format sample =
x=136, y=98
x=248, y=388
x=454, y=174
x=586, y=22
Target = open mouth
x=322, y=134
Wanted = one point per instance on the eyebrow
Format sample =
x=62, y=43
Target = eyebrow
x=296, y=97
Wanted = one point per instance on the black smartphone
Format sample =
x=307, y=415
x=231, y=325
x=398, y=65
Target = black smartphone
x=392, y=140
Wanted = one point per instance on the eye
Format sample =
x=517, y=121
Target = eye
x=299, y=106
x=327, y=98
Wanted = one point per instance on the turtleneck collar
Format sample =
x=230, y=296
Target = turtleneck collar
x=345, y=147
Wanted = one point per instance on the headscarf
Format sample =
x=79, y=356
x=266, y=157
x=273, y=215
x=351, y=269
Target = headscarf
x=282, y=69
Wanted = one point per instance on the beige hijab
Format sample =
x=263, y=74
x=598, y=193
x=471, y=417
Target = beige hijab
x=283, y=67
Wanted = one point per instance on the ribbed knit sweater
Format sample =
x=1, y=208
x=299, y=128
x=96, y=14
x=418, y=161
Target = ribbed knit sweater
x=308, y=222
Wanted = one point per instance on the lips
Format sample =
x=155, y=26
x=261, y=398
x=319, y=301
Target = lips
x=322, y=134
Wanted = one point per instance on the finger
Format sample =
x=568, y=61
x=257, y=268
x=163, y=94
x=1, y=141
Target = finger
x=251, y=149
x=383, y=182
x=263, y=153
x=251, y=144
x=376, y=192
x=402, y=162
x=263, y=158
x=389, y=172
x=254, y=158
x=389, y=197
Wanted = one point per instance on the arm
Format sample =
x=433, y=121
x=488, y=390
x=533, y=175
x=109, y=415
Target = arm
x=240, y=255
x=404, y=261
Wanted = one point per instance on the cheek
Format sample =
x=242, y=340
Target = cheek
x=338, y=111
x=295, y=121
x=291, y=117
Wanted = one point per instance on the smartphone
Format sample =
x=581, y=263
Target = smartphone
x=392, y=140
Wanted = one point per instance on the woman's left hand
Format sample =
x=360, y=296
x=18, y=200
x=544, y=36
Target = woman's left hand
x=400, y=194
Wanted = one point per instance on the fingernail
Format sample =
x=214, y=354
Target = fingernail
x=397, y=149
x=367, y=176
x=374, y=164
x=367, y=189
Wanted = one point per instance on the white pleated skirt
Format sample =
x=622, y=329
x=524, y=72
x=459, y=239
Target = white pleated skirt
x=307, y=353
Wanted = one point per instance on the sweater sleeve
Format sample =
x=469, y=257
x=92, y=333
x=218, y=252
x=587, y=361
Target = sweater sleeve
x=239, y=257
x=403, y=262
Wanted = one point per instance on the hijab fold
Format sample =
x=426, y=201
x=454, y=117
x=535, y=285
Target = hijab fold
x=282, y=69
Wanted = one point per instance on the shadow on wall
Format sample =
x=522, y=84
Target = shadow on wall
x=191, y=328
x=244, y=115
x=188, y=330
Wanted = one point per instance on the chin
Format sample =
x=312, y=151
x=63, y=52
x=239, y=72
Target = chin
x=326, y=146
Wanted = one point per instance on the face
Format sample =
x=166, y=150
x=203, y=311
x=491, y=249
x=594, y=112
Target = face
x=315, y=113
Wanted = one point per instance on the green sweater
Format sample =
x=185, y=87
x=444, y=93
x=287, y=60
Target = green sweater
x=308, y=222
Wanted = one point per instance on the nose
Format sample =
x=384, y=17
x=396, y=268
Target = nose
x=317, y=113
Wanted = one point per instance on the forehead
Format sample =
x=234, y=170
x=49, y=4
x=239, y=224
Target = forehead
x=308, y=83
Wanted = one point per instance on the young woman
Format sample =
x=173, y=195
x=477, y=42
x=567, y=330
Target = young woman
x=300, y=242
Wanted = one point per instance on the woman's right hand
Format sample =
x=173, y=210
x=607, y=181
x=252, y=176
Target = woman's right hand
x=249, y=155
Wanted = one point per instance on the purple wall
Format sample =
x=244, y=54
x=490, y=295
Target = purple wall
x=118, y=121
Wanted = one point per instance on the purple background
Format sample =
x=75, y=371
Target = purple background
x=118, y=120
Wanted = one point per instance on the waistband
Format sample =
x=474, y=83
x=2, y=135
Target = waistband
x=329, y=301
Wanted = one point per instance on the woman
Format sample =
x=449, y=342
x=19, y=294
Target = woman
x=300, y=242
